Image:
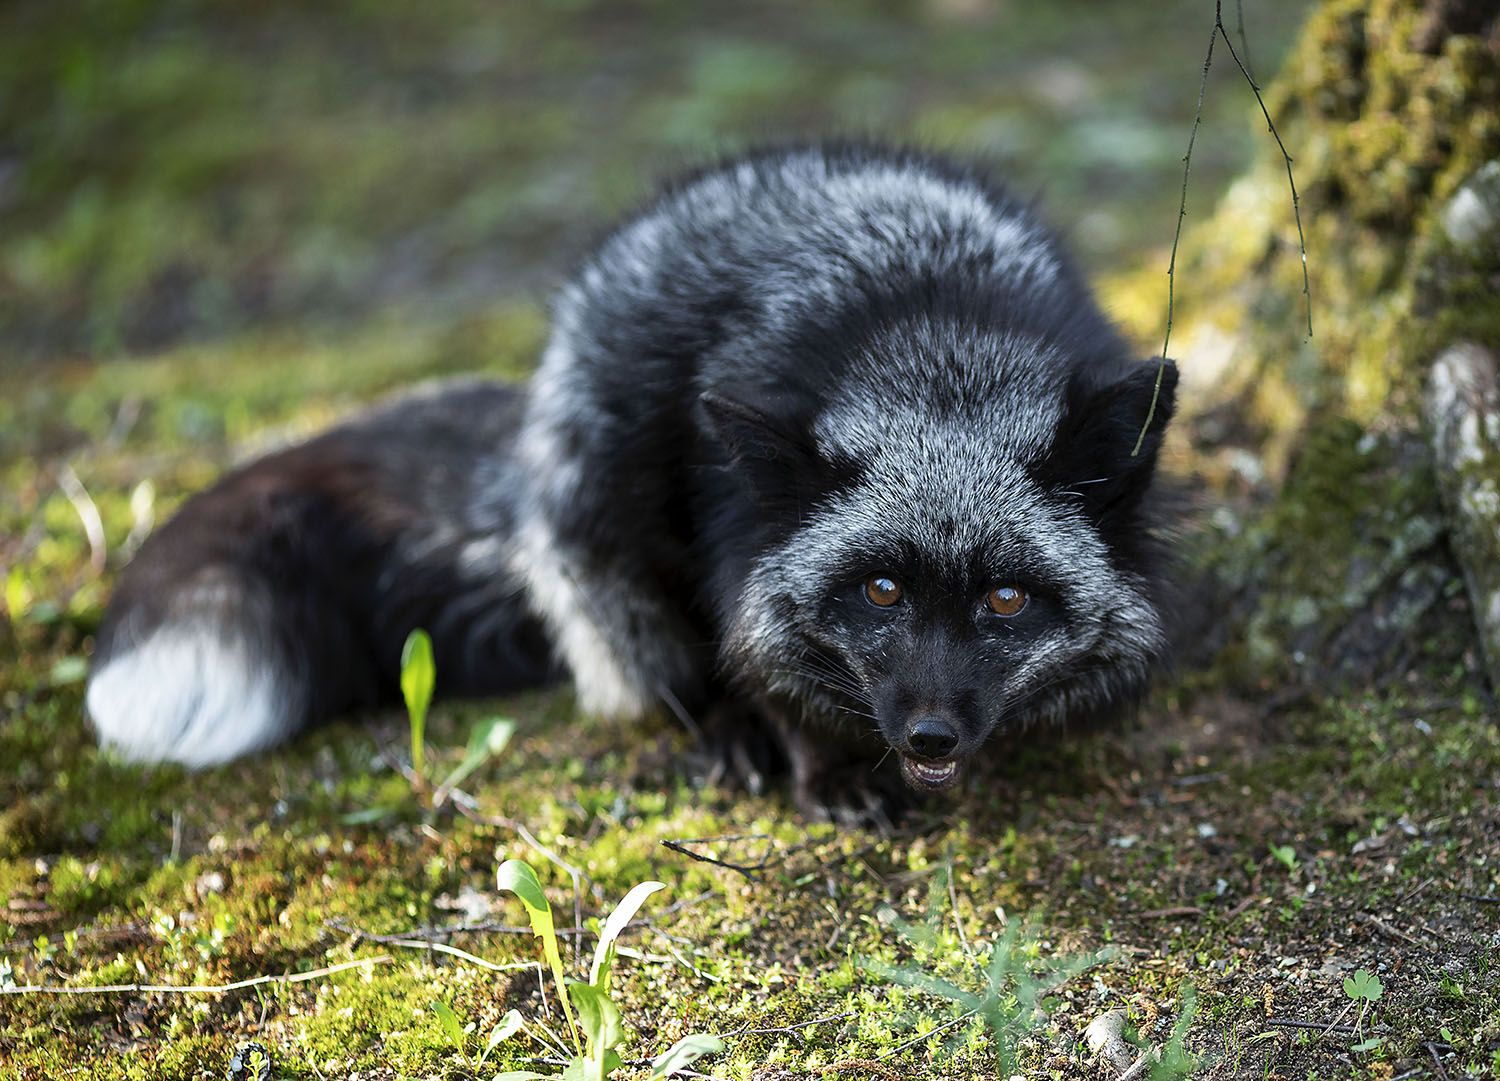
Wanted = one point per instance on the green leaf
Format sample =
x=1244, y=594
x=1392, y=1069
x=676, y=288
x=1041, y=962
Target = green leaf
x=418, y=676
x=604, y=953
x=367, y=815
x=517, y=877
x=486, y=740
x=918, y=980
x=509, y=1025
x=586, y=1069
x=68, y=670
x=1363, y=985
x=683, y=1054
x=17, y=594
x=453, y=1028
x=524, y=1075
x=1368, y=1045
x=598, y=1017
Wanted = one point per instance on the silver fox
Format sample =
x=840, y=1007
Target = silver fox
x=830, y=445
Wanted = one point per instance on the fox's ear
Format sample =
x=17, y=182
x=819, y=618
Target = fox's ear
x=1107, y=444
x=776, y=462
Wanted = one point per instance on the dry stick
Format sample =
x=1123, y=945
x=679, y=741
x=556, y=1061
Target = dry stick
x=958, y=921
x=929, y=1035
x=526, y=835
x=748, y=871
x=1393, y=932
x=449, y=930
x=1286, y=160
x=1187, y=165
x=465, y=955
x=1239, y=27
x=1336, y=1021
x=1318, y=1026
x=770, y=859
x=787, y=1030
x=1170, y=913
x=1437, y=1062
x=88, y=514
x=1217, y=32
x=439, y=947
x=196, y=989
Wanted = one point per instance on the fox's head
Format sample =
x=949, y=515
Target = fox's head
x=954, y=538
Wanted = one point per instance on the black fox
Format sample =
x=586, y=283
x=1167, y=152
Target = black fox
x=835, y=437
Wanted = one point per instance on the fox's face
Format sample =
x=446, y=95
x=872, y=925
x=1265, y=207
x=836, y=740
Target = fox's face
x=959, y=560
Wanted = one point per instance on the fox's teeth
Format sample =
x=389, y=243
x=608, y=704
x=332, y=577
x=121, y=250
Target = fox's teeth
x=934, y=774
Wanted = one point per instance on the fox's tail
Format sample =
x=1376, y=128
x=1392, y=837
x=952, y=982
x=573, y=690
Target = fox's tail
x=282, y=596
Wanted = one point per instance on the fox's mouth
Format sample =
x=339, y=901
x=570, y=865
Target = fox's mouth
x=927, y=775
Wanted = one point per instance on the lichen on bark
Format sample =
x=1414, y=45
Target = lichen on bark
x=1337, y=561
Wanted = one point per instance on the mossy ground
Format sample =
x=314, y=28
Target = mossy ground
x=287, y=214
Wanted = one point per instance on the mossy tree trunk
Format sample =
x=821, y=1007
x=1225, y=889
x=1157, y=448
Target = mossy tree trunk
x=1344, y=562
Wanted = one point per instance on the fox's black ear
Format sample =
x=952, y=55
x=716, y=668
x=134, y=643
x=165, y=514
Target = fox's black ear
x=1107, y=443
x=776, y=461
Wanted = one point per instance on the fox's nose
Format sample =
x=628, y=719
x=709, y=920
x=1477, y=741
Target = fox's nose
x=930, y=736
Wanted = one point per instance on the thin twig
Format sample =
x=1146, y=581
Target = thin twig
x=526, y=835
x=88, y=514
x=929, y=1035
x=1381, y=925
x=786, y=1029
x=1337, y=1020
x=1239, y=27
x=749, y=870
x=958, y=921
x=1187, y=165
x=196, y=989
x=1147, y=1059
x=1170, y=913
x=1217, y=32
x=438, y=947
x=1286, y=160
x=1317, y=1026
x=1437, y=1062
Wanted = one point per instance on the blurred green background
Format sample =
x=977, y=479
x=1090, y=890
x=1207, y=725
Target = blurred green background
x=182, y=170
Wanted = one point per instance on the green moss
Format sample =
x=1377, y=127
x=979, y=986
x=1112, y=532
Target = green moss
x=133, y=874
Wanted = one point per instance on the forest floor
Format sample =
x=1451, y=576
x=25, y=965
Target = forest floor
x=339, y=207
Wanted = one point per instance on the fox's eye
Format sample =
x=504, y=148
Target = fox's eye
x=1006, y=600
x=882, y=591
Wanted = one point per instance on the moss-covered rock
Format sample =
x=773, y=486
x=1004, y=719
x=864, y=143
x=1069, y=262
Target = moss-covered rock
x=1338, y=562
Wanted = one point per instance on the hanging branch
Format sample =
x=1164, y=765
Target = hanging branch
x=1214, y=34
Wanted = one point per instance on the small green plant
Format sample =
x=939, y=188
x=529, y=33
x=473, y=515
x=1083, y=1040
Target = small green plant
x=1175, y=1061
x=1363, y=987
x=595, y=1027
x=487, y=739
x=1006, y=994
x=250, y=1062
x=1285, y=855
x=418, y=677
x=461, y=1035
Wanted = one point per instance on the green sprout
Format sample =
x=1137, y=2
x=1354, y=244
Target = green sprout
x=595, y=1026
x=459, y=1034
x=418, y=677
x=486, y=740
x=1005, y=995
x=1286, y=855
x=1363, y=987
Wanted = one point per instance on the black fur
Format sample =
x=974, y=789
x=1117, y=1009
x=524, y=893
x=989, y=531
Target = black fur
x=788, y=374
